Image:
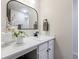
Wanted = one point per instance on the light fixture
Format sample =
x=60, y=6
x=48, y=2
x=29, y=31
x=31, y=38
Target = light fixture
x=25, y=11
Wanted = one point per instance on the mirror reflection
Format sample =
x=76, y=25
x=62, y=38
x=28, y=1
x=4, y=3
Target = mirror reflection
x=21, y=15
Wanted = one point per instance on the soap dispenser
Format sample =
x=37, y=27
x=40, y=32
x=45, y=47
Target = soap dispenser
x=45, y=25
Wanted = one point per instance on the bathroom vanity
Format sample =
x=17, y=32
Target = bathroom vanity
x=44, y=46
x=24, y=17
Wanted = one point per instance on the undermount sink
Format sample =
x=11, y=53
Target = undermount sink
x=40, y=38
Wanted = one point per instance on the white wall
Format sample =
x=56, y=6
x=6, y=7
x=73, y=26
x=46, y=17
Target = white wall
x=59, y=15
x=75, y=29
x=3, y=14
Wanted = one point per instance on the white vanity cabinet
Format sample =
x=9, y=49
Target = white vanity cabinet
x=43, y=47
x=46, y=50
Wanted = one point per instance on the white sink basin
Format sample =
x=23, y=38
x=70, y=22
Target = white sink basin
x=41, y=38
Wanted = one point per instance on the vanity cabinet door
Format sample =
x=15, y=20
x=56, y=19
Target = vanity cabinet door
x=42, y=51
x=46, y=50
x=51, y=56
x=51, y=49
x=43, y=54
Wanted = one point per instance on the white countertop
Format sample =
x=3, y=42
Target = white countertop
x=29, y=44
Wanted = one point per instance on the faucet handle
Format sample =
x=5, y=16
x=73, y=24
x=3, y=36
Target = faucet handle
x=36, y=33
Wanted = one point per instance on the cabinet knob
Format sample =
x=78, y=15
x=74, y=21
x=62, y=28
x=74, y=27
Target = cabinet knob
x=48, y=49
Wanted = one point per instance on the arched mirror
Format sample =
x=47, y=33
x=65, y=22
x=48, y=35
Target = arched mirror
x=21, y=15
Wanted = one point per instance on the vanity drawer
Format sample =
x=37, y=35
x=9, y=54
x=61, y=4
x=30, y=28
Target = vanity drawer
x=43, y=46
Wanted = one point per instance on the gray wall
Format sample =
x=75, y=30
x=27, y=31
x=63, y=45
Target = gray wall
x=75, y=29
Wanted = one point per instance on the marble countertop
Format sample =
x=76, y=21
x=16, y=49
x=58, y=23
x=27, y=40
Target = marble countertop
x=30, y=43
